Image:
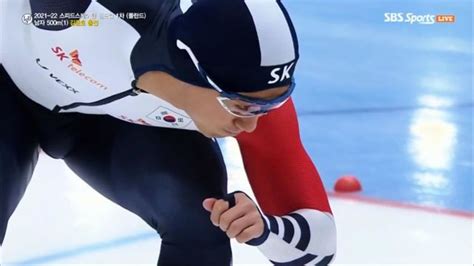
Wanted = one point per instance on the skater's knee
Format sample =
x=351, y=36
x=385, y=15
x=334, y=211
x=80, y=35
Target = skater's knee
x=190, y=226
x=187, y=239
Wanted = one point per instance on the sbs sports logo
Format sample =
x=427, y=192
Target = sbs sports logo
x=411, y=18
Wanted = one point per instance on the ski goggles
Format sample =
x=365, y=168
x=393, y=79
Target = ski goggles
x=235, y=103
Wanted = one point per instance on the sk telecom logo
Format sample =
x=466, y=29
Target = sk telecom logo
x=74, y=55
x=75, y=67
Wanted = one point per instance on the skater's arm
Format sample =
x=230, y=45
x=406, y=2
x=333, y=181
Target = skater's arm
x=300, y=225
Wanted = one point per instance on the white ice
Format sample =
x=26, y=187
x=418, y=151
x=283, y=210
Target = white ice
x=62, y=221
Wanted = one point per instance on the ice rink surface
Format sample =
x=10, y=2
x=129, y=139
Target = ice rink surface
x=389, y=102
x=76, y=225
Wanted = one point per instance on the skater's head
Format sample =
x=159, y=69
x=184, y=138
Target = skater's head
x=245, y=50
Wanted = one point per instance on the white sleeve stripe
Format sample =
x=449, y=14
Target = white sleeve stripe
x=326, y=260
x=273, y=225
x=297, y=231
x=316, y=260
x=266, y=220
x=289, y=230
x=314, y=236
x=305, y=231
x=300, y=261
x=323, y=231
x=281, y=228
x=277, y=250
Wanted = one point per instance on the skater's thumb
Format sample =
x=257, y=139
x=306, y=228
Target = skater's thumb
x=208, y=204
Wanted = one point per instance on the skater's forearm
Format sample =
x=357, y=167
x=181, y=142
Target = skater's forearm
x=288, y=188
x=299, y=238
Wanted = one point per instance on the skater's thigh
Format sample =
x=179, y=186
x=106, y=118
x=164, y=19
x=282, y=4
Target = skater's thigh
x=18, y=142
x=154, y=172
x=18, y=149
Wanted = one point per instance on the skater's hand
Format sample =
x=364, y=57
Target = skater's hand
x=242, y=222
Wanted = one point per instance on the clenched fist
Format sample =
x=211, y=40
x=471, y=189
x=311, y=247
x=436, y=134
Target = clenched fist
x=242, y=222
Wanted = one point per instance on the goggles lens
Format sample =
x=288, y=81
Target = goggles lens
x=242, y=106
